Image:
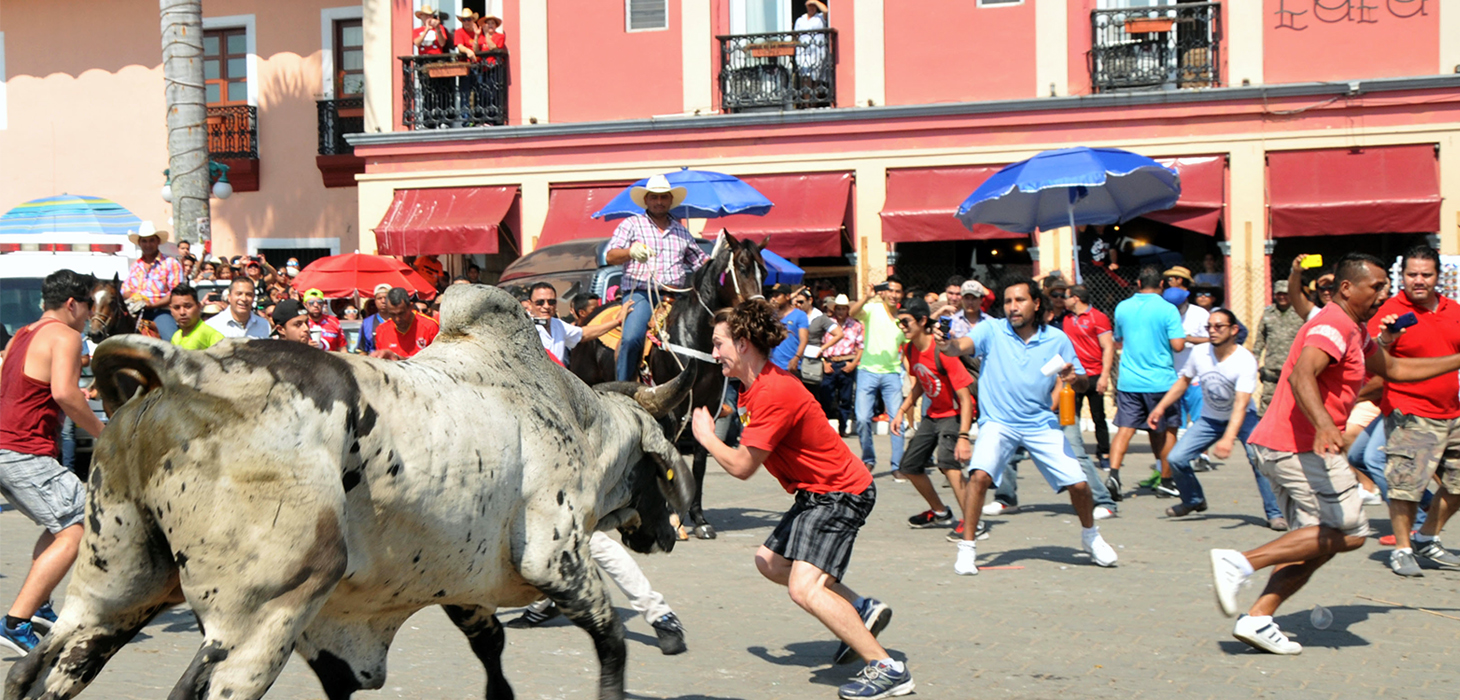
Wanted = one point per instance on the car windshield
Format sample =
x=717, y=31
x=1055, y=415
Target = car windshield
x=20, y=302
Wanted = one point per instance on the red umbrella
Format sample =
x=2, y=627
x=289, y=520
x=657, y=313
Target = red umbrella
x=357, y=273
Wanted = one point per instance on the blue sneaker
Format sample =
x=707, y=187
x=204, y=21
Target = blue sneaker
x=19, y=638
x=878, y=680
x=45, y=618
x=875, y=615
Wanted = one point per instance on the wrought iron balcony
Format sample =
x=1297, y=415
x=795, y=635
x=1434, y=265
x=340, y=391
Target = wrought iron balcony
x=233, y=132
x=441, y=92
x=778, y=70
x=338, y=117
x=1164, y=47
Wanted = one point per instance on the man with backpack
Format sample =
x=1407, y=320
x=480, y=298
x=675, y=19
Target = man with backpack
x=942, y=437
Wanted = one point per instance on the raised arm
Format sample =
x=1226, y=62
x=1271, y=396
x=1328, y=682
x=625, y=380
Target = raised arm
x=740, y=462
x=1301, y=303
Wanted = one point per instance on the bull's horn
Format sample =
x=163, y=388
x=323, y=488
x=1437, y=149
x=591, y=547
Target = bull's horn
x=659, y=400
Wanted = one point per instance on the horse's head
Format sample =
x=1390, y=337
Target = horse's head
x=107, y=310
x=739, y=270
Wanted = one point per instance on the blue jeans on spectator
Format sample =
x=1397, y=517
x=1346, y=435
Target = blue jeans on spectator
x=1007, y=492
x=838, y=389
x=631, y=347
x=869, y=386
x=1367, y=455
x=1191, y=406
x=68, y=443
x=1198, y=437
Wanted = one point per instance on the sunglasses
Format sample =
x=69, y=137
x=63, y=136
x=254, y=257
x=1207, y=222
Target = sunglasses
x=544, y=302
x=1057, y=295
x=1326, y=288
x=1218, y=326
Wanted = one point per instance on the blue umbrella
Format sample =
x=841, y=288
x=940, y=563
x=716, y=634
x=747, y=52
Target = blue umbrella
x=1072, y=187
x=709, y=195
x=69, y=214
x=779, y=270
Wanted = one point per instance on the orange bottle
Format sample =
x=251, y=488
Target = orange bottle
x=1067, y=405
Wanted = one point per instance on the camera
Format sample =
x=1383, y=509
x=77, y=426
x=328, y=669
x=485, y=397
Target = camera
x=946, y=325
x=881, y=287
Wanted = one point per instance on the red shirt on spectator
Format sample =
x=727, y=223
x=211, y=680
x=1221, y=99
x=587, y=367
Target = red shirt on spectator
x=430, y=48
x=1435, y=335
x=329, y=332
x=1084, y=331
x=938, y=386
x=423, y=330
x=1283, y=426
x=781, y=417
x=471, y=41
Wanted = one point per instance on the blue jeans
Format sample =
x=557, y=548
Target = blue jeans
x=1191, y=406
x=869, y=386
x=837, y=390
x=1198, y=437
x=68, y=443
x=1007, y=491
x=631, y=348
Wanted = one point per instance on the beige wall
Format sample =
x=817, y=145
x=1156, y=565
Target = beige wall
x=93, y=121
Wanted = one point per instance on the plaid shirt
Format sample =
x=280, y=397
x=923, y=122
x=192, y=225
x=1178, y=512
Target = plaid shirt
x=154, y=282
x=851, y=340
x=675, y=253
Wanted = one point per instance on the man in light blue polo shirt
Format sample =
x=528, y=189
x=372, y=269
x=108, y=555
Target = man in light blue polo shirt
x=1149, y=333
x=1023, y=358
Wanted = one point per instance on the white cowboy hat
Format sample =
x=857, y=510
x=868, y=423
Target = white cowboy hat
x=658, y=185
x=144, y=231
x=841, y=300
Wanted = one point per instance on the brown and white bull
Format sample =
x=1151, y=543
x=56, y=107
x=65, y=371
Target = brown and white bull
x=311, y=502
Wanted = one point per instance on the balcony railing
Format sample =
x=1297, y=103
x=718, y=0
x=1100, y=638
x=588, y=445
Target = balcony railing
x=1165, y=47
x=338, y=117
x=233, y=132
x=440, y=92
x=778, y=70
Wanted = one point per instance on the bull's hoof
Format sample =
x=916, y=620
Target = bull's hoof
x=705, y=532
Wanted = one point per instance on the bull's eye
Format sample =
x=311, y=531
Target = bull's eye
x=669, y=475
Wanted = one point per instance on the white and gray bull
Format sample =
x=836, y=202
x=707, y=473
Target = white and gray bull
x=311, y=502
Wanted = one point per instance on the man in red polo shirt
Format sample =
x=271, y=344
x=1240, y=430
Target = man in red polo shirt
x=810, y=549
x=405, y=332
x=1420, y=418
x=327, y=326
x=1093, y=336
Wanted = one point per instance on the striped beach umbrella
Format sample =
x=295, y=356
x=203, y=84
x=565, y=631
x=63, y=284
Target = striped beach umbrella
x=68, y=214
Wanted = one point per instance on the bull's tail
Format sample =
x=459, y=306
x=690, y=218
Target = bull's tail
x=129, y=366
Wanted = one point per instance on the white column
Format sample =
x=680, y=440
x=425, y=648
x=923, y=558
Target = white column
x=379, y=65
x=533, y=208
x=870, y=86
x=696, y=38
x=1051, y=48
x=1246, y=23
x=532, y=57
x=1450, y=191
x=871, y=195
x=375, y=199
x=1247, y=281
x=1449, y=36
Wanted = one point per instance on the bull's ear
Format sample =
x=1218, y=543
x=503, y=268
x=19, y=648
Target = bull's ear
x=125, y=370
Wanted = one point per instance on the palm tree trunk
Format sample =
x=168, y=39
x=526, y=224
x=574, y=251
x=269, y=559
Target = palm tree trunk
x=187, y=117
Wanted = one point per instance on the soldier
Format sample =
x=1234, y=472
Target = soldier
x=1275, y=334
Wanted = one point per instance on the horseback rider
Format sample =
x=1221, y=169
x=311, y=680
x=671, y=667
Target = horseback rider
x=658, y=254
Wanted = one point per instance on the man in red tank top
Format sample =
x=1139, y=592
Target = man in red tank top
x=38, y=381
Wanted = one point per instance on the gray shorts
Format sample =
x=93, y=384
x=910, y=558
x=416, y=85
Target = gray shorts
x=42, y=489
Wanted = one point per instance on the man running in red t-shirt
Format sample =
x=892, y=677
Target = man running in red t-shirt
x=810, y=549
x=1300, y=449
x=944, y=429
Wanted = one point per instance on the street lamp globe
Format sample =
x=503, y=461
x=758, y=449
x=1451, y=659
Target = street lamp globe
x=222, y=189
x=167, y=193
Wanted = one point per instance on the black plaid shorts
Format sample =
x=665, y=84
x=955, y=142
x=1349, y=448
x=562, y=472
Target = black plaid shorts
x=821, y=528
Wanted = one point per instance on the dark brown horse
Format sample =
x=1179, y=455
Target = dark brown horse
x=109, y=314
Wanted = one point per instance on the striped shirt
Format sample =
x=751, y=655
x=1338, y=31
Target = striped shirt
x=850, y=342
x=675, y=254
x=153, y=281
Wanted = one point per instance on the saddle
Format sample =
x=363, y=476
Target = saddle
x=654, y=336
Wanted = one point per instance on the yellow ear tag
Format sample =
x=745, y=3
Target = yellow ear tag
x=669, y=475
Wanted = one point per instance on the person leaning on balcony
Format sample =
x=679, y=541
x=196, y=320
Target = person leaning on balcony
x=492, y=37
x=429, y=38
x=811, y=53
x=657, y=252
x=468, y=38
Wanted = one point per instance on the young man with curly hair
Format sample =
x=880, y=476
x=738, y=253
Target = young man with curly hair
x=810, y=549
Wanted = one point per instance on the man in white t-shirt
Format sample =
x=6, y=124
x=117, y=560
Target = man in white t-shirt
x=1228, y=375
x=1194, y=322
x=557, y=336
x=239, y=320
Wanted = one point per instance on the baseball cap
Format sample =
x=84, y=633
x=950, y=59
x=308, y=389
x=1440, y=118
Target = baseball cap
x=313, y=294
x=382, y=287
x=972, y=287
x=915, y=307
x=1280, y=287
x=287, y=309
x=779, y=289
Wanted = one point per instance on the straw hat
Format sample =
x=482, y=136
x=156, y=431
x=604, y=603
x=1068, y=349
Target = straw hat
x=658, y=185
x=1178, y=271
x=482, y=21
x=428, y=12
x=146, y=230
x=467, y=15
x=841, y=300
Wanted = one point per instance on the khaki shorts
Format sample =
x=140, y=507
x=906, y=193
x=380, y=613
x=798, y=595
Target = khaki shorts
x=1314, y=489
x=46, y=492
x=1418, y=449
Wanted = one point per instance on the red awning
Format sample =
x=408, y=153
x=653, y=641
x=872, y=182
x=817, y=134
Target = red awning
x=444, y=221
x=921, y=203
x=1379, y=189
x=807, y=219
x=570, y=214
x=1203, y=193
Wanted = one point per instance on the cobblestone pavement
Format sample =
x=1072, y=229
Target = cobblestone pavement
x=1039, y=622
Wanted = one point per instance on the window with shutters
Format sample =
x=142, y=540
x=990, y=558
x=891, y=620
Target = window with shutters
x=225, y=65
x=646, y=15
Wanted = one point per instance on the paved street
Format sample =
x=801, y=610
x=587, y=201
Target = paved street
x=1040, y=621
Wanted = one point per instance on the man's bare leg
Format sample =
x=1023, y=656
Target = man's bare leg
x=830, y=602
x=978, y=485
x=1442, y=506
x=1401, y=518
x=1083, y=502
x=1119, y=445
x=1295, y=556
x=925, y=488
x=54, y=555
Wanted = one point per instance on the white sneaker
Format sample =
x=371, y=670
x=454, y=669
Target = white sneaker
x=996, y=508
x=1371, y=498
x=1227, y=578
x=1103, y=513
x=964, y=565
x=1100, y=551
x=1261, y=632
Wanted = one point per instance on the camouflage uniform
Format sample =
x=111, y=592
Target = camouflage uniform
x=1275, y=334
